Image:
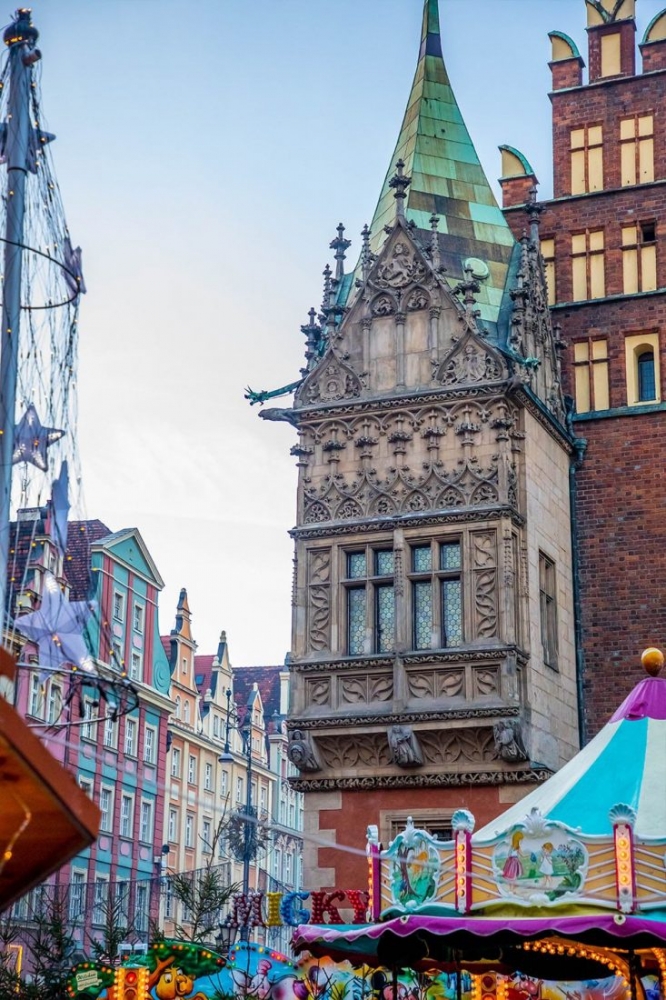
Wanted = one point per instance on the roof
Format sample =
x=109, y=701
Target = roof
x=80, y=536
x=447, y=178
x=267, y=680
x=624, y=764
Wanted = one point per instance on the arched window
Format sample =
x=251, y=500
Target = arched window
x=186, y=711
x=647, y=388
x=178, y=706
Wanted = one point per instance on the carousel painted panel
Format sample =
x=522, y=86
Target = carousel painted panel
x=542, y=861
x=417, y=869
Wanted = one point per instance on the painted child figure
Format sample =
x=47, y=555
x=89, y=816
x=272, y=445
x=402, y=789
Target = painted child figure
x=513, y=868
x=546, y=866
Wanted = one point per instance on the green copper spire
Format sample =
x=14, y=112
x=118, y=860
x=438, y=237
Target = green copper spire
x=447, y=178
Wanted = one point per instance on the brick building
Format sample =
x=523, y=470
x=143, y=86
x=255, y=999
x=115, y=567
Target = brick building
x=601, y=237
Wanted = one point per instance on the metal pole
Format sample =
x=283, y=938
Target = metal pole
x=21, y=37
x=247, y=831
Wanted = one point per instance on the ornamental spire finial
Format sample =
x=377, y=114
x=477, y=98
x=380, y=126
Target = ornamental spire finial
x=339, y=244
x=400, y=182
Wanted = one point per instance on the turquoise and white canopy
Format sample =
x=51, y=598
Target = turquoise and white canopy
x=625, y=764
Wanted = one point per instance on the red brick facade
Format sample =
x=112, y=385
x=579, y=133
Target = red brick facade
x=620, y=527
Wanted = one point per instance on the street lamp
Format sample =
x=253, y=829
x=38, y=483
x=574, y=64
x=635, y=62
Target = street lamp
x=248, y=848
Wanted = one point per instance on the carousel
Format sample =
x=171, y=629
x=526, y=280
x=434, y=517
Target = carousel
x=562, y=896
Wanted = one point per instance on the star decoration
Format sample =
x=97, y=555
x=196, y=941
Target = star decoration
x=31, y=439
x=60, y=507
x=57, y=628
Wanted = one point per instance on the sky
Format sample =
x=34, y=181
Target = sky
x=206, y=153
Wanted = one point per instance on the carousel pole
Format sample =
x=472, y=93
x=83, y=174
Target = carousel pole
x=20, y=37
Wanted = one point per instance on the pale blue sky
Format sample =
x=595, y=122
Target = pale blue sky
x=206, y=152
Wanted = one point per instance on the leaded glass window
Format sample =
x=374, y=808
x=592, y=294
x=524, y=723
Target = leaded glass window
x=370, y=601
x=423, y=614
x=385, y=610
x=356, y=565
x=437, y=594
x=356, y=609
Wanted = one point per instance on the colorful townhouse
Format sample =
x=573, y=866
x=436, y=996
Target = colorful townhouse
x=113, y=736
x=210, y=761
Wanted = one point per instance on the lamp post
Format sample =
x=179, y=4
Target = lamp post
x=227, y=758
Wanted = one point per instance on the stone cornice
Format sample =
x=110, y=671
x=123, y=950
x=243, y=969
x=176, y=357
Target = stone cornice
x=404, y=718
x=381, y=405
x=451, y=779
x=449, y=655
x=451, y=516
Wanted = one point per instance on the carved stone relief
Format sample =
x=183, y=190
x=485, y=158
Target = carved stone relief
x=484, y=563
x=333, y=379
x=401, y=491
x=318, y=691
x=470, y=362
x=342, y=752
x=485, y=681
x=301, y=752
x=458, y=746
x=405, y=749
x=366, y=688
x=447, y=683
x=509, y=741
x=319, y=598
x=401, y=268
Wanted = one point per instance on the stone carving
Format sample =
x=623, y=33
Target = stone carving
x=402, y=268
x=419, y=779
x=532, y=339
x=486, y=681
x=436, y=683
x=362, y=750
x=318, y=691
x=367, y=495
x=366, y=688
x=471, y=361
x=302, y=753
x=484, y=548
x=405, y=749
x=411, y=718
x=331, y=380
x=458, y=746
x=383, y=305
x=509, y=741
x=319, y=599
x=419, y=299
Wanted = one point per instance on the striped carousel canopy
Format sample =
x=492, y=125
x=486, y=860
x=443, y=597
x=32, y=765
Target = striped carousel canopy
x=624, y=764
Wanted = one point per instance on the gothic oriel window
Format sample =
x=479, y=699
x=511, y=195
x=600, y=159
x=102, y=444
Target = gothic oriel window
x=587, y=159
x=548, y=608
x=591, y=375
x=637, y=150
x=370, y=600
x=639, y=257
x=436, y=589
x=587, y=265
